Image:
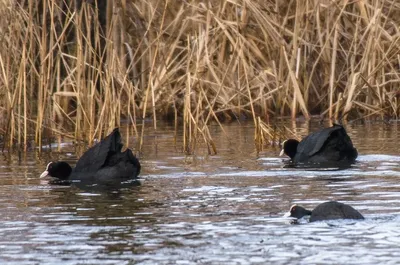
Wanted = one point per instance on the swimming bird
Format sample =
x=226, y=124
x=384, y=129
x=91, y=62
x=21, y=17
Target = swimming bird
x=326, y=211
x=327, y=147
x=102, y=163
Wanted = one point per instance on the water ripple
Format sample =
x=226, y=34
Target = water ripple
x=202, y=209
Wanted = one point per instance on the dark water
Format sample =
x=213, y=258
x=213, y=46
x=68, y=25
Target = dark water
x=201, y=209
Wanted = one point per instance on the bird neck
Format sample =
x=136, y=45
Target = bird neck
x=64, y=170
x=291, y=147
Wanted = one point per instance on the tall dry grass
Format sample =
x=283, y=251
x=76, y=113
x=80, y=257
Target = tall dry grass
x=84, y=68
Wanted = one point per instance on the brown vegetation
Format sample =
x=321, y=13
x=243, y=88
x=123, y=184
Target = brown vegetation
x=83, y=68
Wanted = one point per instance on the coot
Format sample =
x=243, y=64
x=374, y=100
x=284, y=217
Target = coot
x=103, y=163
x=327, y=147
x=326, y=211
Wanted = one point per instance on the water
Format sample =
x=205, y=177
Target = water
x=201, y=209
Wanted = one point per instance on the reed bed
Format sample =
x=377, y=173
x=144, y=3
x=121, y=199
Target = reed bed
x=85, y=66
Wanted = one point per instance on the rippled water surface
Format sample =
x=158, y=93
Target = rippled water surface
x=200, y=209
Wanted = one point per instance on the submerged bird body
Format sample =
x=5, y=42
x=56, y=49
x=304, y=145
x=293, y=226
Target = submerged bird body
x=331, y=210
x=328, y=146
x=102, y=163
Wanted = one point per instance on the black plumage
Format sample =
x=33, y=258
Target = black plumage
x=103, y=163
x=326, y=211
x=327, y=147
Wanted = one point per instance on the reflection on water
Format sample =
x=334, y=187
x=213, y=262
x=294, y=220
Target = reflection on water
x=222, y=209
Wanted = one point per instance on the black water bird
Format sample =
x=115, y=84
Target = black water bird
x=327, y=147
x=326, y=211
x=103, y=163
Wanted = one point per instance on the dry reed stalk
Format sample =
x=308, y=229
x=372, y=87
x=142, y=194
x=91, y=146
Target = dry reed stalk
x=296, y=89
x=265, y=134
x=294, y=105
x=295, y=48
x=262, y=133
x=338, y=103
x=349, y=97
x=333, y=68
